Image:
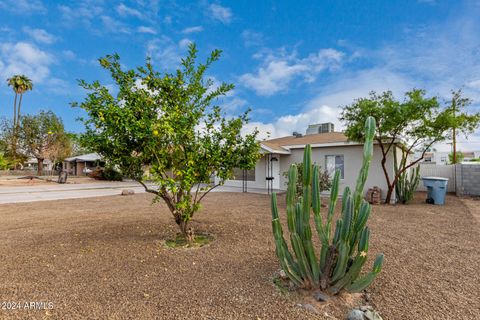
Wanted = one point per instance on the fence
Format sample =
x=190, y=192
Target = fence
x=468, y=179
x=444, y=171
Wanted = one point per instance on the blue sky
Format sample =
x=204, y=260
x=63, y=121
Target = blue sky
x=292, y=62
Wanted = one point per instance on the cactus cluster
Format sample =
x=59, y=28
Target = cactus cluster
x=342, y=255
x=407, y=182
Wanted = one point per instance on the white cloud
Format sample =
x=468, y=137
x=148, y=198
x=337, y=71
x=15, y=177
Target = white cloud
x=286, y=125
x=143, y=29
x=40, y=35
x=195, y=29
x=165, y=52
x=278, y=71
x=125, y=11
x=475, y=84
x=220, y=13
x=113, y=26
x=69, y=54
x=82, y=13
x=184, y=43
x=24, y=58
x=252, y=38
x=27, y=7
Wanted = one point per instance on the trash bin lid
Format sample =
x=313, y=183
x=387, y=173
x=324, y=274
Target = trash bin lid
x=434, y=178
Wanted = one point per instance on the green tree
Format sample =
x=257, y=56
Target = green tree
x=20, y=84
x=14, y=157
x=4, y=162
x=169, y=124
x=77, y=147
x=455, y=157
x=43, y=136
x=415, y=123
x=460, y=121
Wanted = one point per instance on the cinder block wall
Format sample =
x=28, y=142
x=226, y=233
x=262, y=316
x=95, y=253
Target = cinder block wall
x=468, y=179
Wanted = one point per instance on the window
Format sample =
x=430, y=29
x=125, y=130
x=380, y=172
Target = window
x=333, y=163
x=238, y=174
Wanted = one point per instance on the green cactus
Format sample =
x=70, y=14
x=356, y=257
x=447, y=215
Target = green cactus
x=343, y=254
x=407, y=182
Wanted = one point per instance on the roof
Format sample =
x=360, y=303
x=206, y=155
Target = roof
x=89, y=157
x=283, y=145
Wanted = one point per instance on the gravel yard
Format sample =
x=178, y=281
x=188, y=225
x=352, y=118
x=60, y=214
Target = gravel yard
x=103, y=258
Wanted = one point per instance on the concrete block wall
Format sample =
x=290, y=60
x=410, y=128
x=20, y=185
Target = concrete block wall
x=468, y=179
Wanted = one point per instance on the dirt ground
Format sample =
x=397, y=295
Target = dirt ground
x=103, y=258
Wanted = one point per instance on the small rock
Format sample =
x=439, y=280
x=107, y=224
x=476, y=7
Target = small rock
x=355, y=314
x=282, y=274
x=309, y=307
x=372, y=315
x=127, y=192
x=320, y=296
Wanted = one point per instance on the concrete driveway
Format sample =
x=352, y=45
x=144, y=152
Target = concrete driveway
x=64, y=191
x=14, y=194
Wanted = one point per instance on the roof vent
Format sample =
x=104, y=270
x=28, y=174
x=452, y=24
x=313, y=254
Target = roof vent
x=297, y=134
x=320, y=128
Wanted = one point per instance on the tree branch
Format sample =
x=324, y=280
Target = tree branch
x=147, y=189
x=208, y=192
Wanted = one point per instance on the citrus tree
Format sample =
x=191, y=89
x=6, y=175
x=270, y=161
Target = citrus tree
x=168, y=129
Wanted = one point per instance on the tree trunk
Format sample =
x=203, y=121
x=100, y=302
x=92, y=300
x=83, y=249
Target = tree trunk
x=390, y=190
x=39, y=166
x=454, y=143
x=15, y=110
x=14, y=144
x=187, y=232
x=18, y=109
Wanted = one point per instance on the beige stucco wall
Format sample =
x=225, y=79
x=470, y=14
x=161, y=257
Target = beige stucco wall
x=259, y=182
x=353, y=158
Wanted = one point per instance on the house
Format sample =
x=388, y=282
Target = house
x=331, y=150
x=83, y=164
x=32, y=164
x=442, y=157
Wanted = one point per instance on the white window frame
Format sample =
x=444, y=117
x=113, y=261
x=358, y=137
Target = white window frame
x=331, y=171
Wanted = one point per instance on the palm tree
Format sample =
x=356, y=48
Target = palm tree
x=20, y=84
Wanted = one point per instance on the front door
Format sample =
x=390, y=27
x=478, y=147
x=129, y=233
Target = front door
x=276, y=171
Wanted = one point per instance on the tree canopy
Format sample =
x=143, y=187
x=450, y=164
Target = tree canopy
x=43, y=136
x=167, y=128
x=415, y=123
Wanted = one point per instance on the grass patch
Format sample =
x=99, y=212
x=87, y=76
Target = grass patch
x=200, y=240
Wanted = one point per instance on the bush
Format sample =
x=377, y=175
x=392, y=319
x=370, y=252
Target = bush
x=343, y=253
x=324, y=181
x=111, y=174
x=108, y=173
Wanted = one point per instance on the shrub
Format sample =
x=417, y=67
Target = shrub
x=111, y=174
x=324, y=181
x=342, y=255
x=108, y=173
x=407, y=182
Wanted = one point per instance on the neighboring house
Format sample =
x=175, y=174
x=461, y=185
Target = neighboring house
x=331, y=150
x=32, y=164
x=441, y=157
x=83, y=164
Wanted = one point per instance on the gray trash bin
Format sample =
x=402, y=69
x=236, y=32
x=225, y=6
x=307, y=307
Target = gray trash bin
x=436, y=189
